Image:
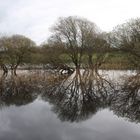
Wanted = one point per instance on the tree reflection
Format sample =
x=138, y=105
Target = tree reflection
x=74, y=97
x=24, y=89
x=17, y=90
x=127, y=102
x=80, y=95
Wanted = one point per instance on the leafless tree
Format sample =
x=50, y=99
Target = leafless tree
x=98, y=47
x=16, y=49
x=126, y=37
x=75, y=34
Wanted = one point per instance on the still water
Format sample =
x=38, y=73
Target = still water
x=69, y=110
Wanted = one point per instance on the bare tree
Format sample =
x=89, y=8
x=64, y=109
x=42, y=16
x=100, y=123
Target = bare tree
x=126, y=37
x=97, y=46
x=3, y=56
x=74, y=33
x=16, y=49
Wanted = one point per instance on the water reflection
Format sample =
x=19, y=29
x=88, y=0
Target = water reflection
x=127, y=102
x=74, y=97
x=80, y=96
x=16, y=91
x=24, y=89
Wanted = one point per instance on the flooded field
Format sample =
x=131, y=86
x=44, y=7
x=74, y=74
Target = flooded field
x=87, y=105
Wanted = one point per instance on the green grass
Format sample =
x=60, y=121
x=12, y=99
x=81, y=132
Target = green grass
x=114, y=60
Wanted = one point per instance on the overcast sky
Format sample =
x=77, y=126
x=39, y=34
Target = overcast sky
x=33, y=18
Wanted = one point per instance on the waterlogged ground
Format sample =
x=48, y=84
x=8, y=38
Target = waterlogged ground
x=83, y=106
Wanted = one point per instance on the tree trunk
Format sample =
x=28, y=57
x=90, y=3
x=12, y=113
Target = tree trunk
x=15, y=69
x=5, y=69
x=90, y=61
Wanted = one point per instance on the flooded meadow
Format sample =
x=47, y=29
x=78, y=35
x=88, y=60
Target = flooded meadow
x=84, y=105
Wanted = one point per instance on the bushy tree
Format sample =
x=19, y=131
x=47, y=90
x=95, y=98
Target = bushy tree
x=16, y=49
x=75, y=34
x=126, y=37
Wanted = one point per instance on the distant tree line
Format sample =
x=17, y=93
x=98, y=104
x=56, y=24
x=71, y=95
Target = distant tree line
x=75, y=42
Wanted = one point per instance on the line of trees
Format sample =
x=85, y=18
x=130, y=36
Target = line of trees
x=74, y=42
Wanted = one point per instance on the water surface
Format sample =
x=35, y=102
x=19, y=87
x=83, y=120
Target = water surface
x=52, y=113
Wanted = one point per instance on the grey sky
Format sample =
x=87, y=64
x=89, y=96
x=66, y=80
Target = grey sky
x=33, y=18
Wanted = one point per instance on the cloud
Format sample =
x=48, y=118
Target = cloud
x=33, y=18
